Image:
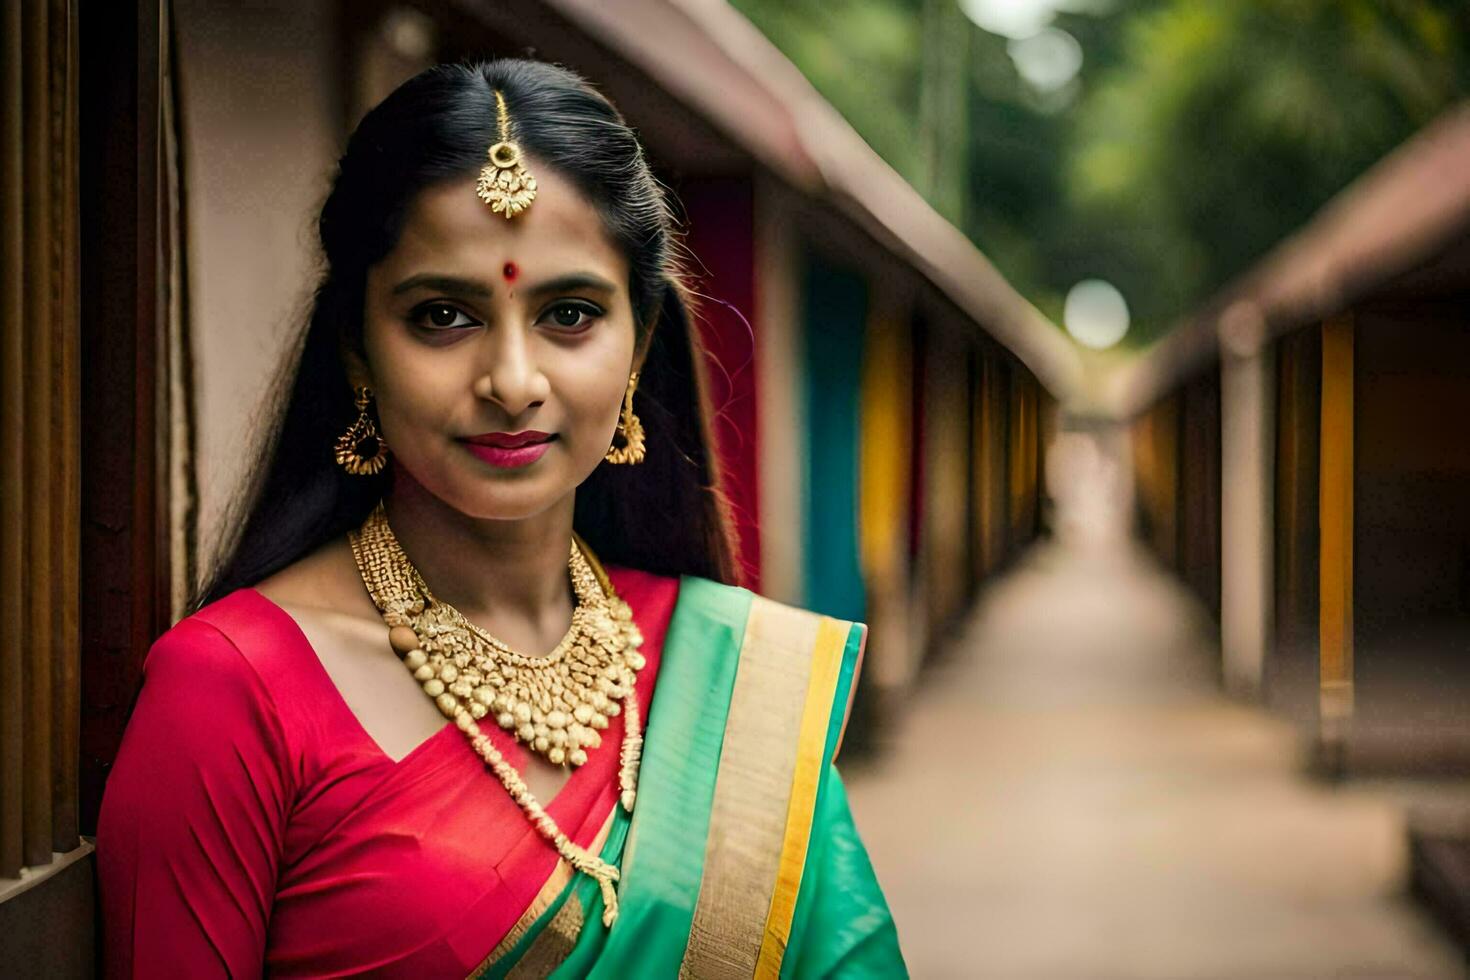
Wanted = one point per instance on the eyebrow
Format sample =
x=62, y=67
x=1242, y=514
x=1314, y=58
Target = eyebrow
x=443, y=284
x=571, y=281
x=474, y=287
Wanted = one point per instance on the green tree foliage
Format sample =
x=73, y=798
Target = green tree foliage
x=863, y=56
x=1224, y=126
x=1197, y=135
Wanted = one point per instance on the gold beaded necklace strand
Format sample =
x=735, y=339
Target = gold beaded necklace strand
x=556, y=705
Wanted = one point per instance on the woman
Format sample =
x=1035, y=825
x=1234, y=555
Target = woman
x=497, y=398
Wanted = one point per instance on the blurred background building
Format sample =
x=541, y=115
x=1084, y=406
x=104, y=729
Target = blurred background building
x=1108, y=357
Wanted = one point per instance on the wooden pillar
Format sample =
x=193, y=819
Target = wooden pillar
x=1020, y=461
x=38, y=454
x=1198, y=555
x=988, y=457
x=976, y=455
x=884, y=462
x=1335, y=627
x=779, y=356
x=1048, y=424
x=946, y=445
x=46, y=912
x=1247, y=404
x=1155, y=445
x=12, y=439
x=1029, y=458
x=1298, y=542
x=39, y=489
x=125, y=579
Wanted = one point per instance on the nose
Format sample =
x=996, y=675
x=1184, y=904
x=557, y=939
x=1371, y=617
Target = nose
x=512, y=378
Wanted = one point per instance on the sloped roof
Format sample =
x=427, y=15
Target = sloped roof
x=1406, y=211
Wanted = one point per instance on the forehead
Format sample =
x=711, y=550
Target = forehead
x=447, y=227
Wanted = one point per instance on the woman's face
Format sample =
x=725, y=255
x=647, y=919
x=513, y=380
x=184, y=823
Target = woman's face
x=482, y=333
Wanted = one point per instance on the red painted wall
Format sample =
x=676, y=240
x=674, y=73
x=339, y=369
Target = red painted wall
x=721, y=236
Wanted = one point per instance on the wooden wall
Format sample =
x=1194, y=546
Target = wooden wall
x=1176, y=460
x=40, y=481
x=83, y=561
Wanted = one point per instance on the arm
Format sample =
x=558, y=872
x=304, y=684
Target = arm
x=193, y=815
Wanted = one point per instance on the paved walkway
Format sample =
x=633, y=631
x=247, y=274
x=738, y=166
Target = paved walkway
x=1070, y=797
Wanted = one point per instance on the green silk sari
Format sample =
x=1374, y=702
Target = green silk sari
x=740, y=858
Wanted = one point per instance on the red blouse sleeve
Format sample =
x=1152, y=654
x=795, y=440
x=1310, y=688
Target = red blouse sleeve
x=193, y=816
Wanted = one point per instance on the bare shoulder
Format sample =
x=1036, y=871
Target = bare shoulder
x=326, y=579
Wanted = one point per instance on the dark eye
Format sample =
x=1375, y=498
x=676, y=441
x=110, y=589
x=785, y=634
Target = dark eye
x=442, y=316
x=571, y=315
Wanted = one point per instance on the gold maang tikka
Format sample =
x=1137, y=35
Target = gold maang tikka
x=504, y=183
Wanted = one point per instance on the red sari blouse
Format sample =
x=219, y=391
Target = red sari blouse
x=250, y=823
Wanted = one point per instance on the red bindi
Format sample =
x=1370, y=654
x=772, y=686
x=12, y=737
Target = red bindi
x=510, y=272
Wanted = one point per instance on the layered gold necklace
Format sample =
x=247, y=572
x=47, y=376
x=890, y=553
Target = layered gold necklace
x=556, y=705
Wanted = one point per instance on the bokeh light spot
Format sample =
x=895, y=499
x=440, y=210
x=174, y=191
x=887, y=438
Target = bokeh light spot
x=1096, y=315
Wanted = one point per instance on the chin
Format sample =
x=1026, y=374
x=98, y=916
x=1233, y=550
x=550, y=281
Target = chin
x=485, y=493
x=500, y=499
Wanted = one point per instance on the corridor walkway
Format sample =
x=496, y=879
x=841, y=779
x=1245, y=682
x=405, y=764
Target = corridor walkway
x=1070, y=797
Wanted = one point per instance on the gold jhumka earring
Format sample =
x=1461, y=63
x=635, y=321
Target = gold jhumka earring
x=362, y=435
x=631, y=429
x=504, y=182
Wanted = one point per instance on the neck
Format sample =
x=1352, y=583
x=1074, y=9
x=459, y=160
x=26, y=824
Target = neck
x=490, y=570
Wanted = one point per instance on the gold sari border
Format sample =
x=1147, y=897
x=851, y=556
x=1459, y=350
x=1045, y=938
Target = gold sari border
x=561, y=876
x=827, y=656
x=555, y=943
x=753, y=786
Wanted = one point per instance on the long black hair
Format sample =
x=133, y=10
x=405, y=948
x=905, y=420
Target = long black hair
x=664, y=515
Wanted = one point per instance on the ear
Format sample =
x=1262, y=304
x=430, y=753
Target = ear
x=640, y=350
x=355, y=366
x=640, y=355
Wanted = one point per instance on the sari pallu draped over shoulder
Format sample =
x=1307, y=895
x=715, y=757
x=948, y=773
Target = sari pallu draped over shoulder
x=740, y=858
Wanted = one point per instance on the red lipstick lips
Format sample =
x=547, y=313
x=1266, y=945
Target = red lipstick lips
x=509, y=449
